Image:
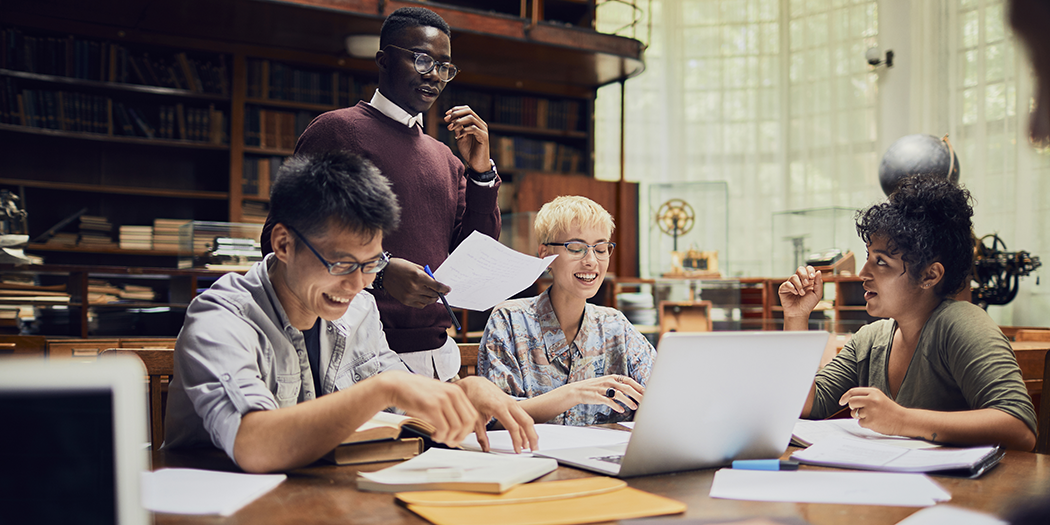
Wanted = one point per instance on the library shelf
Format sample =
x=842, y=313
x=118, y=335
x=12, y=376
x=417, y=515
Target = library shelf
x=268, y=151
x=289, y=104
x=41, y=247
x=116, y=139
x=117, y=87
x=118, y=190
x=543, y=132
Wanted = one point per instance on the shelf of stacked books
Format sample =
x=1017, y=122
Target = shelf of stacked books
x=527, y=133
x=94, y=89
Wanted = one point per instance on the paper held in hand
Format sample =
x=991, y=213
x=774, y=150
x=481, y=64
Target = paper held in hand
x=483, y=273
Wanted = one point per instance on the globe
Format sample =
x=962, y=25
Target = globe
x=917, y=155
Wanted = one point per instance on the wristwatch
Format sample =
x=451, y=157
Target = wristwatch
x=377, y=283
x=483, y=177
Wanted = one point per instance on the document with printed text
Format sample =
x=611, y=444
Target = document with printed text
x=483, y=273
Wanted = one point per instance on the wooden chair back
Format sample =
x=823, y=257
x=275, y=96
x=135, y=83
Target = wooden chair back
x=1042, y=441
x=1029, y=334
x=468, y=359
x=687, y=316
x=160, y=365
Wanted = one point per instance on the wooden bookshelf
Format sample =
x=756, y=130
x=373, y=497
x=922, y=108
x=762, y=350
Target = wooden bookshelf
x=548, y=52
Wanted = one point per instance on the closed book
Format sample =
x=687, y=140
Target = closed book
x=375, y=451
x=444, y=469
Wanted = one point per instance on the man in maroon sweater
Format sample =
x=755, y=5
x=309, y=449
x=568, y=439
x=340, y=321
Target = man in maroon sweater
x=442, y=201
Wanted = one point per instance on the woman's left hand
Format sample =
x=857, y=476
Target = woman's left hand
x=874, y=410
x=594, y=391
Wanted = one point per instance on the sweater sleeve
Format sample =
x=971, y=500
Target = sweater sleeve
x=477, y=209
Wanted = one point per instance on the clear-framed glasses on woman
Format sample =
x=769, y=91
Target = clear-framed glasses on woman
x=425, y=63
x=578, y=249
x=343, y=268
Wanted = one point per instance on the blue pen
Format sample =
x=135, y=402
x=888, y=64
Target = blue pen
x=442, y=296
x=765, y=464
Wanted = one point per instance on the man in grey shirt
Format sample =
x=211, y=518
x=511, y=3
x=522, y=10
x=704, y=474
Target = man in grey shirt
x=278, y=366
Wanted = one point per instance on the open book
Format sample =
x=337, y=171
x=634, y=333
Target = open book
x=385, y=437
x=866, y=455
x=385, y=425
x=440, y=468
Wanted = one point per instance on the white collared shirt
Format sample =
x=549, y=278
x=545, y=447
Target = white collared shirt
x=388, y=108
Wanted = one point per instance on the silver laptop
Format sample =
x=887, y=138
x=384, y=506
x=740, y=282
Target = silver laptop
x=74, y=440
x=712, y=398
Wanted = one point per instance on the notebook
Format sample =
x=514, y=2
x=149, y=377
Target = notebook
x=75, y=442
x=712, y=398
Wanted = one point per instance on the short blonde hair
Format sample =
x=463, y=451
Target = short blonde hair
x=563, y=213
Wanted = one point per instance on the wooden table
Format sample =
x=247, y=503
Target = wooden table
x=327, y=494
x=1031, y=357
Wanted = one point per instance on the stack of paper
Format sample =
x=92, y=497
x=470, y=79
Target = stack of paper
x=809, y=432
x=846, y=488
x=860, y=454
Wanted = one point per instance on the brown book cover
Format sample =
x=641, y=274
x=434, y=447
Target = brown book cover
x=375, y=451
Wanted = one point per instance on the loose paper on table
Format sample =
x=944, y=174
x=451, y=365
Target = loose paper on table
x=483, y=273
x=192, y=491
x=942, y=514
x=860, y=454
x=848, y=488
x=553, y=437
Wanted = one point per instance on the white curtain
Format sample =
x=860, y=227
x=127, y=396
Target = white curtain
x=775, y=98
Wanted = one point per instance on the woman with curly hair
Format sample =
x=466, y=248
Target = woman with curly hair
x=934, y=368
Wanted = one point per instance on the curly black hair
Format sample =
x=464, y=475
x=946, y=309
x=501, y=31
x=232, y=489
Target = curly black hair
x=926, y=219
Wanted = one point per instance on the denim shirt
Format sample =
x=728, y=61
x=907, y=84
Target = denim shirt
x=237, y=352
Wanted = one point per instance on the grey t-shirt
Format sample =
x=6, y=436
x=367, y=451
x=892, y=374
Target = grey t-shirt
x=962, y=362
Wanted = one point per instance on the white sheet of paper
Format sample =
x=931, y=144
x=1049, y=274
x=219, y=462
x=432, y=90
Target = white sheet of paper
x=192, y=491
x=628, y=424
x=849, y=488
x=483, y=273
x=438, y=465
x=811, y=432
x=553, y=437
x=941, y=514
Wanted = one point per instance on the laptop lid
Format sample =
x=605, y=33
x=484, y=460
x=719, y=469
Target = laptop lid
x=718, y=396
x=75, y=442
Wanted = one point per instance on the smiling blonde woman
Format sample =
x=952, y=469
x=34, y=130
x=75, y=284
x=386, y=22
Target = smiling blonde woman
x=571, y=362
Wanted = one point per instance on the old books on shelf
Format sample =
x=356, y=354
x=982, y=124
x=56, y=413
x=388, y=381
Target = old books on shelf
x=136, y=237
x=259, y=172
x=166, y=233
x=276, y=81
x=273, y=129
x=96, y=232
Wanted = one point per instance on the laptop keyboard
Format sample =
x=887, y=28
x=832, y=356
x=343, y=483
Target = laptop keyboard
x=610, y=459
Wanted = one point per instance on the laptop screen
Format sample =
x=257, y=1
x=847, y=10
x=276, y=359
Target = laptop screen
x=57, y=456
x=73, y=441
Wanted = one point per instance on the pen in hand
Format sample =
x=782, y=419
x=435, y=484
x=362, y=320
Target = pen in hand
x=442, y=296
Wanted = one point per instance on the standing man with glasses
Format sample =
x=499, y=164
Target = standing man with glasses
x=570, y=362
x=278, y=366
x=442, y=200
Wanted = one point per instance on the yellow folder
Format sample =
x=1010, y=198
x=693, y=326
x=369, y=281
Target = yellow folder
x=566, y=502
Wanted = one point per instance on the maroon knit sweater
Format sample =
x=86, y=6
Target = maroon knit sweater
x=439, y=207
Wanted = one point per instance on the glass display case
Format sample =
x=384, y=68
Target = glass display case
x=688, y=229
x=231, y=245
x=801, y=235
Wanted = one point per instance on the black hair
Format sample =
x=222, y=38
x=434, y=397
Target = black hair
x=926, y=219
x=406, y=17
x=311, y=191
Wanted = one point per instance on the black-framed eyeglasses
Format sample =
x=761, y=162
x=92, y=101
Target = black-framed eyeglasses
x=425, y=63
x=344, y=268
x=578, y=249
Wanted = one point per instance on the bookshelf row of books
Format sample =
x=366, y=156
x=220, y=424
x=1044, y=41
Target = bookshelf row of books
x=97, y=232
x=84, y=113
x=273, y=129
x=97, y=60
x=520, y=153
x=258, y=172
x=254, y=212
x=517, y=110
x=535, y=112
x=104, y=292
x=277, y=81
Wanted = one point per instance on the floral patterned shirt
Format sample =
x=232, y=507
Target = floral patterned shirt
x=525, y=353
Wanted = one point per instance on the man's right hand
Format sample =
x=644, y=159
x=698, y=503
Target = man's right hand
x=410, y=285
x=443, y=405
x=800, y=294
